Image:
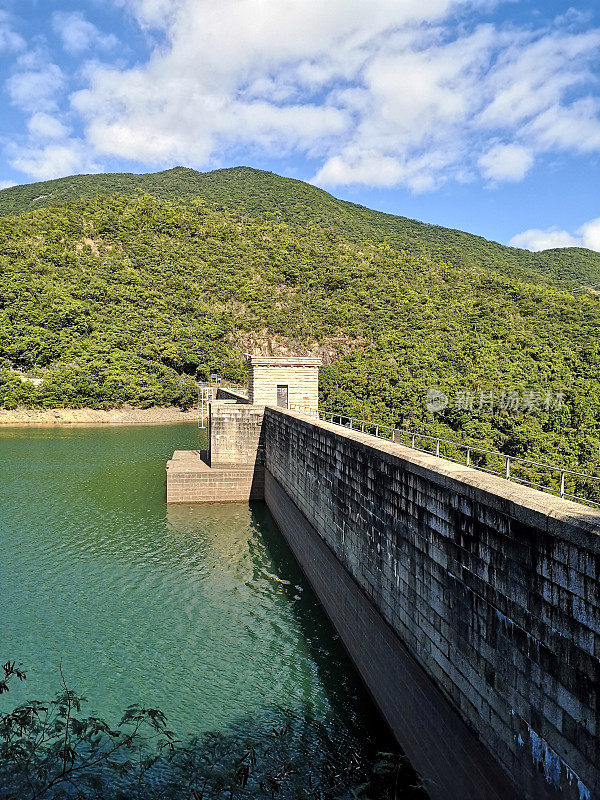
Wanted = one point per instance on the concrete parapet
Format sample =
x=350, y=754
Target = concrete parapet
x=439, y=744
x=227, y=393
x=491, y=589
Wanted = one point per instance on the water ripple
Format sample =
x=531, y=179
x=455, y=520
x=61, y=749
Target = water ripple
x=200, y=611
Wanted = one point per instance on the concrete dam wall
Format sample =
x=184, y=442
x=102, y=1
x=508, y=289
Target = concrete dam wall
x=470, y=605
x=434, y=573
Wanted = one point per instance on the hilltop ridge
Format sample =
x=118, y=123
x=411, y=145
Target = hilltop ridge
x=265, y=195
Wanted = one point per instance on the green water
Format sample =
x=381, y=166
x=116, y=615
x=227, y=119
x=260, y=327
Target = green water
x=199, y=611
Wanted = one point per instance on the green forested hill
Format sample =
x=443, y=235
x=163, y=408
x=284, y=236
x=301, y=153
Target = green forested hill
x=259, y=194
x=119, y=299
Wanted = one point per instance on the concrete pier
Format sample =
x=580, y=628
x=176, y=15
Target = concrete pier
x=191, y=480
x=232, y=469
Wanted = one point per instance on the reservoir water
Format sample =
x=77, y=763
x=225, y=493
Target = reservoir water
x=199, y=611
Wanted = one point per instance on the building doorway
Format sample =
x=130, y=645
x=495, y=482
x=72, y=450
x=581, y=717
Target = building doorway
x=282, y=396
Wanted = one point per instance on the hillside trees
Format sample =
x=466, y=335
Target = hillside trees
x=257, y=195
x=117, y=299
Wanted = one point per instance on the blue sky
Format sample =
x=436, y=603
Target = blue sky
x=477, y=114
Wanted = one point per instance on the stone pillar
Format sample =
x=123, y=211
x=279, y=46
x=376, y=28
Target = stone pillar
x=235, y=433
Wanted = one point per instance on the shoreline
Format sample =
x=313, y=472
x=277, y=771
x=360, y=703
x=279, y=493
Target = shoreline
x=127, y=415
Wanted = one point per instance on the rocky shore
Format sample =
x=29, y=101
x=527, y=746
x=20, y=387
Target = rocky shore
x=127, y=415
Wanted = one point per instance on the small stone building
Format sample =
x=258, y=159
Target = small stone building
x=286, y=381
x=232, y=469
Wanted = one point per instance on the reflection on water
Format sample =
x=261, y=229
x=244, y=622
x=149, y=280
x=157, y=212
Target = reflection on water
x=200, y=611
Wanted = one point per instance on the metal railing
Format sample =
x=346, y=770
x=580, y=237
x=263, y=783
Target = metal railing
x=562, y=482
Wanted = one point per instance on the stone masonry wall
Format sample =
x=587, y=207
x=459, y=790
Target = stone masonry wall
x=492, y=587
x=235, y=434
x=302, y=381
x=440, y=746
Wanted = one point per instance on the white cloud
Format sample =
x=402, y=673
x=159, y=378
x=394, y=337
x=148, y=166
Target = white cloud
x=369, y=168
x=575, y=128
x=376, y=92
x=53, y=160
x=36, y=89
x=536, y=239
x=587, y=235
x=10, y=41
x=364, y=168
x=78, y=34
x=150, y=13
x=6, y=184
x=590, y=234
x=506, y=162
x=45, y=126
x=246, y=72
x=532, y=73
x=379, y=92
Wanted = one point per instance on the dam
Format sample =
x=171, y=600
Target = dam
x=469, y=605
